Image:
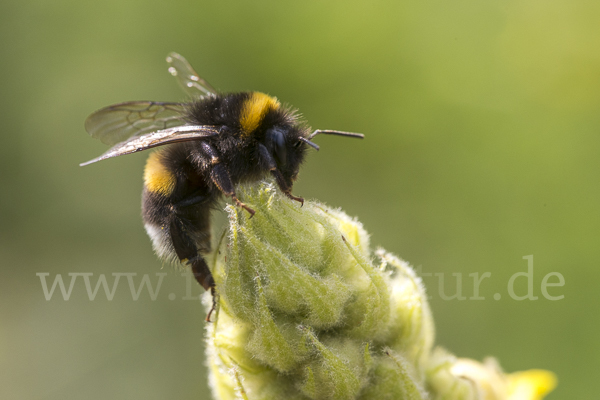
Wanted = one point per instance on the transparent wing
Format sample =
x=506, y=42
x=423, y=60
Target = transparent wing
x=159, y=138
x=119, y=122
x=189, y=80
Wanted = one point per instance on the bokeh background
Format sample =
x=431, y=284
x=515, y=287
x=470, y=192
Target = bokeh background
x=482, y=122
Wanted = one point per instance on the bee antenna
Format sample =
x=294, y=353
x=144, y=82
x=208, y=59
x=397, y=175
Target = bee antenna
x=308, y=142
x=339, y=133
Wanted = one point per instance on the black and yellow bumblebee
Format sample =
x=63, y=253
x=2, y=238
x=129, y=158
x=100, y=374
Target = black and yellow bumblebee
x=214, y=142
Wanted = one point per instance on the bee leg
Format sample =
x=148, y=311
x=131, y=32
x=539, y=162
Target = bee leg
x=271, y=165
x=186, y=251
x=221, y=178
x=285, y=187
x=244, y=206
x=298, y=199
x=197, y=197
x=199, y=269
x=214, y=304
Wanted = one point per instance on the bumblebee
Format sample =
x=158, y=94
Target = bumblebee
x=211, y=144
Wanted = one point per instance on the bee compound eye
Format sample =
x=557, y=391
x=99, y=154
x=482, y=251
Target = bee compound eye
x=276, y=140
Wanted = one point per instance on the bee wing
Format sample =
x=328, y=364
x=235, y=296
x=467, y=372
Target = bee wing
x=189, y=80
x=159, y=138
x=119, y=122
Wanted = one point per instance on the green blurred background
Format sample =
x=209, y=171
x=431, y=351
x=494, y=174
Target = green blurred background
x=482, y=121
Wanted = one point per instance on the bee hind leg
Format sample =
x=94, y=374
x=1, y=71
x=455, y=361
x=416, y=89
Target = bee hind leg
x=187, y=252
x=200, y=270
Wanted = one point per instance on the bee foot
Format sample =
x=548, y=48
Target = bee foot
x=214, y=304
x=298, y=199
x=242, y=205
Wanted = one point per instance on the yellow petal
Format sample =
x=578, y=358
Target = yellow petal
x=533, y=384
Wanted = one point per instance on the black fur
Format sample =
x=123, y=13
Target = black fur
x=207, y=169
x=208, y=148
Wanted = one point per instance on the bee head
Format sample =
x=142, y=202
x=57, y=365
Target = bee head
x=276, y=144
x=283, y=144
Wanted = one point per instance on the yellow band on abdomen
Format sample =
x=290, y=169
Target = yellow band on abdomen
x=157, y=177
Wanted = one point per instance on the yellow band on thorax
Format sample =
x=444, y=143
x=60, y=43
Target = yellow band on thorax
x=254, y=110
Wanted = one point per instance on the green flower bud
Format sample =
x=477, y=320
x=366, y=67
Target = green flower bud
x=305, y=311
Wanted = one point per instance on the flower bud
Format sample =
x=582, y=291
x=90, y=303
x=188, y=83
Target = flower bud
x=305, y=311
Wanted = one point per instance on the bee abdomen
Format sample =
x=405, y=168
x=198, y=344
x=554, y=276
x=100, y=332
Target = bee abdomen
x=191, y=224
x=158, y=178
x=161, y=242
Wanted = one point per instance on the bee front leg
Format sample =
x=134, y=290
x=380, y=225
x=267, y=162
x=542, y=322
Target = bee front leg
x=271, y=165
x=220, y=176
